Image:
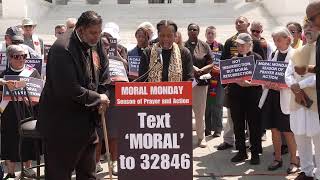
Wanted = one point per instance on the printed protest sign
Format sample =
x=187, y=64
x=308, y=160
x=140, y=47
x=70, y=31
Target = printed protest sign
x=270, y=72
x=34, y=87
x=35, y=63
x=46, y=52
x=216, y=56
x=155, y=130
x=236, y=69
x=134, y=62
x=117, y=71
x=113, y=47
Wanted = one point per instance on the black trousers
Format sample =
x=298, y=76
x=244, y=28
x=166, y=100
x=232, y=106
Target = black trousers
x=61, y=161
x=245, y=109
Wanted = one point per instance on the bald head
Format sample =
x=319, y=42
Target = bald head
x=313, y=13
x=71, y=23
x=242, y=24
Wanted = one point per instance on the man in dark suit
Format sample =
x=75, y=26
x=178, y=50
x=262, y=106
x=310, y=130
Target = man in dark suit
x=74, y=92
x=313, y=15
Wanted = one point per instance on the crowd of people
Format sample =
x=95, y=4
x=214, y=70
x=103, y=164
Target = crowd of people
x=78, y=88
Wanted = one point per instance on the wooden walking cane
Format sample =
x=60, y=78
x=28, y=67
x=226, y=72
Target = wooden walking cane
x=106, y=142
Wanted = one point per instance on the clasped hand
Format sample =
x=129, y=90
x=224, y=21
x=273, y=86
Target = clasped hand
x=104, y=103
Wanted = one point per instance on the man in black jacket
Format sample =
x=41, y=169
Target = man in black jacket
x=74, y=92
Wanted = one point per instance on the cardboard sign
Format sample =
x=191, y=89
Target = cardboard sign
x=270, y=72
x=216, y=56
x=155, y=141
x=117, y=71
x=46, y=52
x=236, y=69
x=34, y=87
x=35, y=63
x=134, y=62
x=113, y=47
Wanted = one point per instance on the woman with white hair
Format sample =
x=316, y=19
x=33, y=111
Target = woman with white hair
x=274, y=104
x=153, y=36
x=9, y=122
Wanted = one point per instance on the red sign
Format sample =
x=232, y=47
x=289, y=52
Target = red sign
x=154, y=94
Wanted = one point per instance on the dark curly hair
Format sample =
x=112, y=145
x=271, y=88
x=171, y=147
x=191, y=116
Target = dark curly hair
x=88, y=18
x=297, y=25
x=167, y=23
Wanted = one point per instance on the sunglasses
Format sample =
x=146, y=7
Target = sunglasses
x=313, y=18
x=28, y=26
x=293, y=32
x=256, y=31
x=194, y=30
x=19, y=56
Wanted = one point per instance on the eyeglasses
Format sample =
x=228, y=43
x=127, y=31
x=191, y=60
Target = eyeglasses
x=19, y=56
x=194, y=30
x=256, y=31
x=313, y=18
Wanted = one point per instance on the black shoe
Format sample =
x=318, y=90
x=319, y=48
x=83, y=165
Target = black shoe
x=99, y=168
x=216, y=134
x=293, y=168
x=303, y=176
x=276, y=164
x=255, y=160
x=207, y=133
x=10, y=176
x=240, y=156
x=224, y=146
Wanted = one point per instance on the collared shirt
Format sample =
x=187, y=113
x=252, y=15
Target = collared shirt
x=200, y=53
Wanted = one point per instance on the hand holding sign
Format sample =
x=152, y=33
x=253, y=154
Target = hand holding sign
x=311, y=68
x=300, y=70
x=12, y=85
x=104, y=103
x=271, y=85
x=244, y=83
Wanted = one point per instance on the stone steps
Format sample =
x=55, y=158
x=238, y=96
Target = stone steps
x=129, y=16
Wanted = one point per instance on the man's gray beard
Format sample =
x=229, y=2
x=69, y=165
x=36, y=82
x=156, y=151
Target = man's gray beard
x=92, y=45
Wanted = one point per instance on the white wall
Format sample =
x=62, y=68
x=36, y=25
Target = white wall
x=286, y=10
x=25, y=8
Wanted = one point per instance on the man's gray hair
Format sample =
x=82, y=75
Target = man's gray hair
x=257, y=23
x=282, y=32
x=14, y=49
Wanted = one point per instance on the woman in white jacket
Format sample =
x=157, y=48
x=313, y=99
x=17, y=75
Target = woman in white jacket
x=275, y=102
x=304, y=117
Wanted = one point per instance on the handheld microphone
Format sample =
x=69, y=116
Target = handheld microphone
x=159, y=52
